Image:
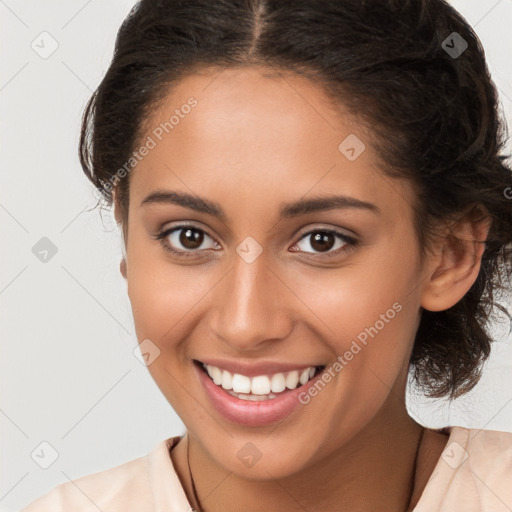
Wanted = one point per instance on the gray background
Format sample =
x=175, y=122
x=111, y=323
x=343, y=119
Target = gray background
x=69, y=375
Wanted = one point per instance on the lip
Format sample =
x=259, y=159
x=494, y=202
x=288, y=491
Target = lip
x=249, y=413
x=255, y=369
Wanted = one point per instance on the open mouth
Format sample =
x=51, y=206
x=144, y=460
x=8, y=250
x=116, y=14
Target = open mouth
x=259, y=387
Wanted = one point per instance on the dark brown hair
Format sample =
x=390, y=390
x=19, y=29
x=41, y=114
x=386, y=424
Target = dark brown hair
x=401, y=65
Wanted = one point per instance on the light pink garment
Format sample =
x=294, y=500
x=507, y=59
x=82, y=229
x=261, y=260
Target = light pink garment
x=473, y=474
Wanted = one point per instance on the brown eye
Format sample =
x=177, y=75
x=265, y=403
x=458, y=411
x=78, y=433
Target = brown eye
x=186, y=240
x=191, y=238
x=323, y=241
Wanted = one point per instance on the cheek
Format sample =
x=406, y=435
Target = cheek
x=368, y=313
x=160, y=292
x=371, y=335
x=370, y=328
x=375, y=282
x=164, y=295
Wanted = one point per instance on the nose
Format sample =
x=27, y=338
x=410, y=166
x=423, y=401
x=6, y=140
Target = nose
x=251, y=307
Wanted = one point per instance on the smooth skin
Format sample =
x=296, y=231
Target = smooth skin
x=254, y=141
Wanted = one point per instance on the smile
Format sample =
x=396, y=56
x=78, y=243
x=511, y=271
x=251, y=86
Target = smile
x=260, y=387
x=255, y=395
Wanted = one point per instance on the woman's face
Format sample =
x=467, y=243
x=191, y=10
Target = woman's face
x=261, y=289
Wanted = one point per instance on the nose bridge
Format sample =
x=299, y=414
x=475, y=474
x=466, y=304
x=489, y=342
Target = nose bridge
x=247, y=312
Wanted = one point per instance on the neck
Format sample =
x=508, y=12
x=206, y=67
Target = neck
x=375, y=471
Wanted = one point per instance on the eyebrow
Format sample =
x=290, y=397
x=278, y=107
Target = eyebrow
x=287, y=210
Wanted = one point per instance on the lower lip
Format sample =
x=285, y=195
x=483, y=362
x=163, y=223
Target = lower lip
x=250, y=413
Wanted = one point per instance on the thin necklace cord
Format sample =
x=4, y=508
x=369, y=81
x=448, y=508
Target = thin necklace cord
x=411, y=484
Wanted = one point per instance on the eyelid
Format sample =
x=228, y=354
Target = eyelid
x=329, y=228
x=183, y=225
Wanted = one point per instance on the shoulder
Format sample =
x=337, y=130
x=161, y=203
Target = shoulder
x=489, y=458
x=473, y=473
x=485, y=451
x=127, y=486
x=495, y=439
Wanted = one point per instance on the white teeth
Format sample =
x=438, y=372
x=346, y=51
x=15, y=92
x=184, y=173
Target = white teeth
x=227, y=380
x=304, y=376
x=252, y=398
x=261, y=385
x=292, y=379
x=217, y=376
x=278, y=383
x=241, y=384
x=215, y=373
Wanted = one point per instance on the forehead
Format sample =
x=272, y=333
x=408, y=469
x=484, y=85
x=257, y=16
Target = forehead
x=257, y=132
x=249, y=106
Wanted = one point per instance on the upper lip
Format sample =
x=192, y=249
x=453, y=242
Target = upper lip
x=255, y=368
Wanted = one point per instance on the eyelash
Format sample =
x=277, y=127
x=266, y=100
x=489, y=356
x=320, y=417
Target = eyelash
x=350, y=243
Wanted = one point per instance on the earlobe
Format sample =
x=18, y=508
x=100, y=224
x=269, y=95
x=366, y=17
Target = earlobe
x=457, y=263
x=122, y=268
x=118, y=217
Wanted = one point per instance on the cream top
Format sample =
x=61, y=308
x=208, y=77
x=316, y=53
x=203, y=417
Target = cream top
x=473, y=474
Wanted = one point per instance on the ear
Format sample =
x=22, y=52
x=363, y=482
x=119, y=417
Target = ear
x=455, y=263
x=119, y=219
